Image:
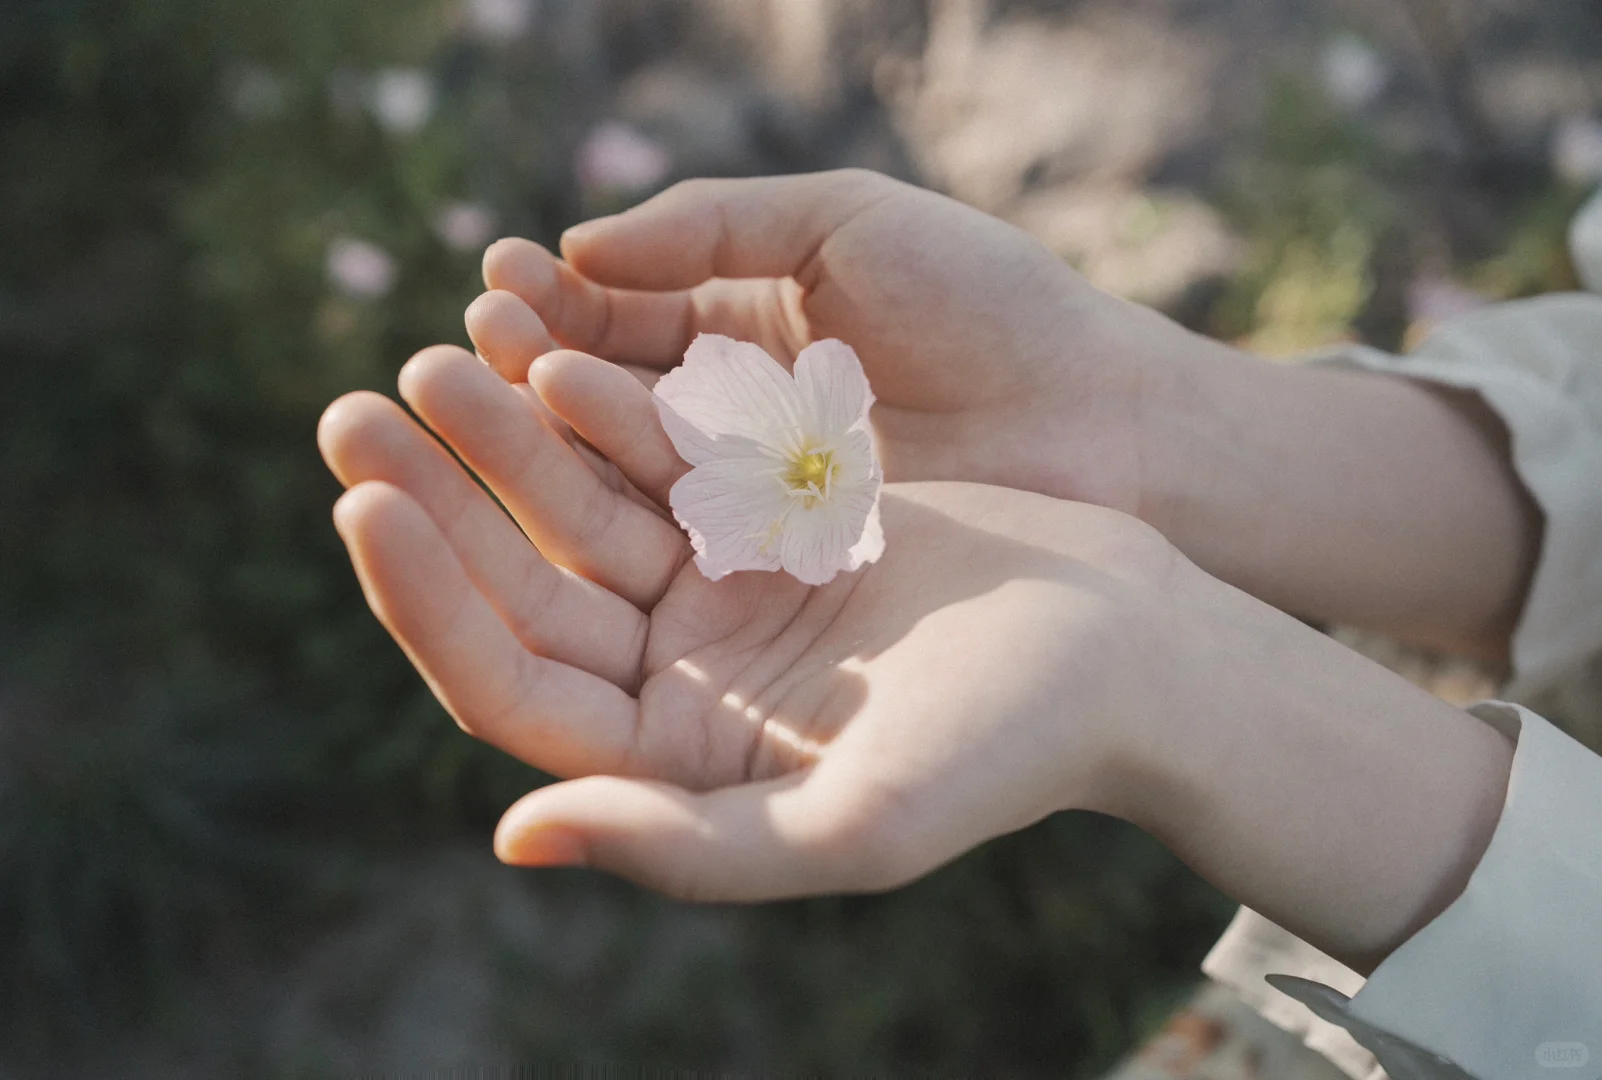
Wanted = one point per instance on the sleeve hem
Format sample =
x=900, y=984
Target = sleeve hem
x=1557, y=454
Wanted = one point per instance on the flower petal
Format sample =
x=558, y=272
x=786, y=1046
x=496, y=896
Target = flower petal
x=693, y=445
x=817, y=541
x=871, y=545
x=727, y=387
x=842, y=532
x=833, y=387
x=733, y=508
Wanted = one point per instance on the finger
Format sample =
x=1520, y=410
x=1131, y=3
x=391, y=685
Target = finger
x=552, y=612
x=651, y=328
x=796, y=835
x=509, y=337
x=553, y=716
x=507, y=333
x=614, y=413
x=574, y=518
x=769, y=227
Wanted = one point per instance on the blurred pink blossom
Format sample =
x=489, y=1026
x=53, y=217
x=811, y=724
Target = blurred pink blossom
x=464, y=226
x=402, y=99
x=497, y=21
x=1577, y=150
x=1353, y=73
x=360, y=269
x=616, y=157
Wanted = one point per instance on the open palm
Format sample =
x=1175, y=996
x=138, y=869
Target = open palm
x=991, y=359
x=751, y=737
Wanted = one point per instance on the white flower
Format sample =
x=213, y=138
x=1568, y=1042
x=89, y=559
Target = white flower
x=616, y=157
x=360, y=269
x=402, y=99
x=464, y=226
x=785, y=476
x=497, y=21
x=1354, y=75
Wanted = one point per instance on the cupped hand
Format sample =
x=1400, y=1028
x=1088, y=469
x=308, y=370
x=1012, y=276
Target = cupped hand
x=750, y=738
x=991, y=359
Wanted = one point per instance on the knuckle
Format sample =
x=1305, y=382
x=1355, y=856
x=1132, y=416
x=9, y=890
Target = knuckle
x=598, y=516
x=1137, y=550
x=533, y=600
x=693, y=189
x=867, y=180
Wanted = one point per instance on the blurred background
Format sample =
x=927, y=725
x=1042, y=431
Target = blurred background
x=237, y=835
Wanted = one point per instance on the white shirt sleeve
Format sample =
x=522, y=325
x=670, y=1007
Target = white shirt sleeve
x=1507, y=982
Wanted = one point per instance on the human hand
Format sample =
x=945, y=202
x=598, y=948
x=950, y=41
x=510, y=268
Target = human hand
x=1343, y=497
x=754, y=737
x=991, y=359
x=1010, y=655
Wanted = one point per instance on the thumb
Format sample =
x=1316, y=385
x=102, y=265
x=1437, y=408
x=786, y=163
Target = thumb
x=769, y=227
x=769, y=840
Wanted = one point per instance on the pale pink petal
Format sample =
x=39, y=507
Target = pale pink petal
x=732, y=508
x=742, y=421
x=815, y=544
x=859, y=468
x=843, y=531
x=818, y=540
x=693, y=445
x=871, y=546
x=727, y=387
x=833, y=386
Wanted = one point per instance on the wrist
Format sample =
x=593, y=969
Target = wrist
x=1347, y=496
x=1317, y=788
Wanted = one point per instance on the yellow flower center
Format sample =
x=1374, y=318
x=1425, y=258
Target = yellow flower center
x=811, y=473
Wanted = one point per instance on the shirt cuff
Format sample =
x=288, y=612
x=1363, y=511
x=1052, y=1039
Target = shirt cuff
x=1254, y=948
x=1534, y=363
x=1506, y=983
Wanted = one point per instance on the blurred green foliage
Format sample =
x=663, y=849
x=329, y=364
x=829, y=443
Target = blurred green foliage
x=1311, y=202
x=1342, y=213
x=187, y=660
x=204, y=735
x=207, y=742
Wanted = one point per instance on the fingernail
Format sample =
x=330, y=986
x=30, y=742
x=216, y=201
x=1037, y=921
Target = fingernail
x=545, y=846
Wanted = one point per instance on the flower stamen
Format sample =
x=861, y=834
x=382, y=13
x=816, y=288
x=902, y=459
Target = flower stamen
x=810, y=475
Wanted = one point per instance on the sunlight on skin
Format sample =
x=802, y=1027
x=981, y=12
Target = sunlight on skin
x=994, y=362
x=1011, y=655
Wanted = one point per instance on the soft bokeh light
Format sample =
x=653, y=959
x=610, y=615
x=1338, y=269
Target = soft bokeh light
x=402, y=99
x=1353, y=72
x=1577, y=150
x=361, y=269
x=499, y=21
x=238, y=835
x=464, y=226
x=614, y=157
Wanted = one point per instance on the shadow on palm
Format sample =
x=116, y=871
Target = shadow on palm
x=599, y=650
